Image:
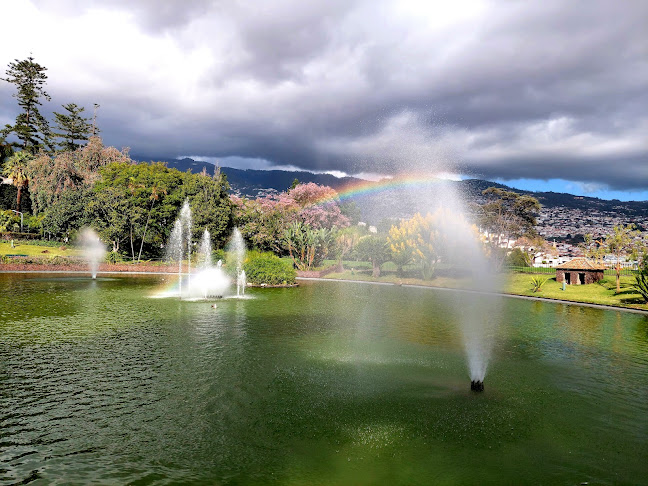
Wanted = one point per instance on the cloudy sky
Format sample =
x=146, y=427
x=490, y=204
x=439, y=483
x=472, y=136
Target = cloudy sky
x=538, y=94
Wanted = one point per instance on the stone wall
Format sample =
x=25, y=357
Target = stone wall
x=591, y=276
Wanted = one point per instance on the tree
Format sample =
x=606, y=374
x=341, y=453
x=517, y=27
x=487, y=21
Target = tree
x=307, y=246
x=50, y=177
x=641, y=278
x=618, y=243
x=518, y=258
x=263, y=221
x=71, y=127
x=374, y=249
x=415, y=240
x=6, y=150
x=400, y=246
x=69, y=214
x=16, y=169
x=505, y=216
x=345, y=241
x=136, y=204
x=31, y=128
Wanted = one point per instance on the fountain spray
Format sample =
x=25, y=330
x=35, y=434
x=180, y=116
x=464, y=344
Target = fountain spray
x=93, y=249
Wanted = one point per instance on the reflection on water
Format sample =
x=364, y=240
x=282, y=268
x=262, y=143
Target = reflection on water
x=325, y=383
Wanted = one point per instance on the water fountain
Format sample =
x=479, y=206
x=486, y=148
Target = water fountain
x=209, y=281
x=459, y=250
x=93, y=249
x=237, y=248
x=241, y=283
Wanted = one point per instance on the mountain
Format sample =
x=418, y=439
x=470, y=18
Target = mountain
x=396, y=202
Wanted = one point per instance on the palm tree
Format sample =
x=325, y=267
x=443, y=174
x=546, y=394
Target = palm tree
x=15, y=168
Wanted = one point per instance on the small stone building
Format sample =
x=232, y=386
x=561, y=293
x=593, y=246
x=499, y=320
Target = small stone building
x=579, y=271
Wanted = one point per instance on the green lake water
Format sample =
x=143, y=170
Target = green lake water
x=328, y=383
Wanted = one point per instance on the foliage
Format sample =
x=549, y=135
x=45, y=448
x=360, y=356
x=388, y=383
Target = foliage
x=69, y=214
x=134, y=206
x=345, y=241
x=307, y=246
x=50, y=177
x=641, y=284
x=375, y=249
x=263, y=222
x=15, y=168
x=31, y=128
x=618, y=243
x=351, y=211
x=6, y=150
x=71, y=127
x=210, y=205
x=518, y=258
x=505, y=216
x=9, y=221
x=400, y=242
x=267, y=268
x=415, y=240
x=537, y=282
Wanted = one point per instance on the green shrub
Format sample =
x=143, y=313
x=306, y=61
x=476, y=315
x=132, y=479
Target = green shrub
x=219, y=254
x=267, y=268
x=641, y=283
x=537, y=283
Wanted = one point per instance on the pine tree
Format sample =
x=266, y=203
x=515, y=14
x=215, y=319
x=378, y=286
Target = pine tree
x=71, y=127
x=31, y=128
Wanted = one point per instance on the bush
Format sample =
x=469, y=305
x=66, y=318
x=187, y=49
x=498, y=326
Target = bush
x=219, y=254
x=518, y=258
x=267, y=268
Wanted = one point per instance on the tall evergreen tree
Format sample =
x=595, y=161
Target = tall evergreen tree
x=71, y=127
x=5, y=150
x=31, y=128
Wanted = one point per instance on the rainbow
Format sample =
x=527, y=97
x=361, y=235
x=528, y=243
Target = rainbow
x=367, y=188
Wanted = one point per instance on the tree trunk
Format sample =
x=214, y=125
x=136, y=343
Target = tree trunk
x=18, y=197
x=618, y=276
x=148, y=218
x=376, y=269
x=131, y=242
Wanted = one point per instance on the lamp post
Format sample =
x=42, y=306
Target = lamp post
x=21, y=218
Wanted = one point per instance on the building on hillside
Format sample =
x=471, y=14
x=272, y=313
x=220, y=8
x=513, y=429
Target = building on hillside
x=579, y=271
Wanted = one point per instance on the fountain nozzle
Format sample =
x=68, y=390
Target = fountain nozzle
x=477, y=386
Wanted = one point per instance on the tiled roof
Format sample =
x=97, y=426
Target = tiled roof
x=581, y=263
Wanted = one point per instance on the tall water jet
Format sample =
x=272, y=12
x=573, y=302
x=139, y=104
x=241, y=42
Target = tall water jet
x=204, y=251
x=237, y=248
x=456, y=249
x=175, y=249
x=94, y=250
x=241, y=283
x=477, y=313
x=179, y=245
x=187, y=223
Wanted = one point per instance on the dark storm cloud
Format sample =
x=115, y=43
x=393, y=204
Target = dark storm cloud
x=548, y=89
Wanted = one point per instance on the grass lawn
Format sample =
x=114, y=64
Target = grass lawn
x=21, y=248
x=602, y=292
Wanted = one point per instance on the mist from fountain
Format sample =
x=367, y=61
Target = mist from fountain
x=93, y=249
x=424, y=155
